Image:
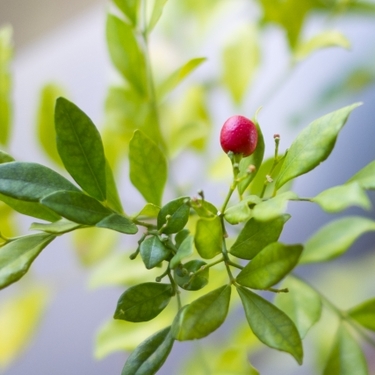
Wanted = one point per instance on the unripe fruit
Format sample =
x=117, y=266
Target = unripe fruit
x=239, y=135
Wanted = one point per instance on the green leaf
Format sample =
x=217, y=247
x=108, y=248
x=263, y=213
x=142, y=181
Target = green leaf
x=149, y=210
x=313, y=145
x=254, y=159
x=179, y=75
x=256, y=235
x=129, y=8
x=202, y=316
x=274, y=207
x=209, y=237
x=241, y=58
x=346, y=357
x=174, y=215
x=341, y=197
x=184, y=250
x=6, y=54
x=113, y=198
x=45, y=120
x=77, y=207
x=302, y=304
x=335, y=238
x=273, y=327
x=33, y=209
x=270, y=265
x=181, y=236
x=365, y=177
x=143, y=302
x=192, y=275
x=156, y=14
x=238, y=213
x=203, y=208
x=16, y=256
x=328, y=38
x=364, y=314
x=148, y=167
x=126, y=53
x=153, y=251
x=118, y=223
x=58, y=227
x=150, y=355
x=5, y=157
x=80, y=147
x=31, y=181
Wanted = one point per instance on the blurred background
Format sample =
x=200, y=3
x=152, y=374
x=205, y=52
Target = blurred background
x=64, y=43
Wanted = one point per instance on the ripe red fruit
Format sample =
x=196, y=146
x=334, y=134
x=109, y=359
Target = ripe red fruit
x=239, y=135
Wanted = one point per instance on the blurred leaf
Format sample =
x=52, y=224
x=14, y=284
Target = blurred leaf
x=150, y=355
x=31, y=181
x=143, y=302
x=126, y=54
x=346, y=356
x=365, y=177
x=341, y=197
x=234, y=361
x=76, y=206
x=129, y=8
x=202, y=316
x=271, y=325
x=364, y=314
x=221, y=168
x=178, y=76
x=156, y=14
x=19, y=317
x=58, y=227
x=153, y=251
x=6, y=54
x=5, y=157
x=190, y=276
x=274, y=207
x=149, y=210
x=313, y=145
x=184, y=250
x=45, y=120
x=81, y=149
x=302, y=304
x=270, y=265
x=148, y=167
x=328, y=38
x=238, y=213
x=16, y=256
x=335, y=238
x=209, y=237
x=241, y=58
x=118, y=223
x=256, y=235
x=113, y=198
x=174, y=215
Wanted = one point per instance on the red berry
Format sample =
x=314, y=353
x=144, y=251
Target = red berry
x=239, y=135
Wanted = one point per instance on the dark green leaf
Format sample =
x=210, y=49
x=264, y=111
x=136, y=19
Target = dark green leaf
x=209, y=237
x=203, y=208
x=188, y=278
x=150, y=355
x=256, y=235
x=5, y=157
x=126, y=53
x=273, y=327
x=346, y=356
x=129, y=8
x=365, y=177
x=270, y=265
x=176, y=77
x=58, y=227
x=340, y=197
x=118, y=223
x=81, y=149
x=16, y=256
x=30, y=181
x=174, y=215
x=153, y=251
x=184, y=250
x=302, y=304
x=255, y=159
x=335, y=238
x=156, y=14
x=148, y=167
x=202, y=316
x=313, y=145
x=77, y=207
x=364, y=314
x=113, y=198
x=143, y=302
